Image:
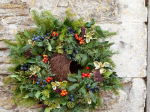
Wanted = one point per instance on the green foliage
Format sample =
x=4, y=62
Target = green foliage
x=89, y=24
x=10, y=43
x=36, y=83
x=72, y=87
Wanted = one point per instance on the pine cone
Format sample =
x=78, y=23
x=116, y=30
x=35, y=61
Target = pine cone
x=97, y=76
x=70, y=104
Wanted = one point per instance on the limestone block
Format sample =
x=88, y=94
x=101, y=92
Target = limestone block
x=4, y=56
x=11, y=8
x=3, y=45
x=5, y=100
x=131, y=42
x=133, y=11
x=40, y=5
x=19, y=20
x=3, y=68
x=62, y=3
x=7, y=36
x=131, y=99
x=100, y=10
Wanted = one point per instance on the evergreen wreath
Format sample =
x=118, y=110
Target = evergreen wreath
x=61, y=65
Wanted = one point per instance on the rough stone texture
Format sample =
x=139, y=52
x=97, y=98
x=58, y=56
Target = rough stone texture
x=131, y=42
x=126, y=17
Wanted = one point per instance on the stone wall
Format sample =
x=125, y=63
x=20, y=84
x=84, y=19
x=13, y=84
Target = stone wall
x=127, y=17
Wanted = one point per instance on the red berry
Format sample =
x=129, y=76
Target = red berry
x=80, y=43
x=88, y=73
x=81, y=38
x=85, y=75
x=53, y=32
x=87, y=67
x=57, y=34
x=82, y=77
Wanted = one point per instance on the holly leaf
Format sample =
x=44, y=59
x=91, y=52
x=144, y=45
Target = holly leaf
x=107, y=74
x=25, y=48
x=40, y=44
x=72, y=79
x=44, y=97
x=89, y=24
x=37, y=94
x=90, y=64
x=72, y=87
x=94, y=84
x=84, y=59
x=31, y=95
x=47, y=109
x=49, y=46
x=92, y=96
x=26, y=33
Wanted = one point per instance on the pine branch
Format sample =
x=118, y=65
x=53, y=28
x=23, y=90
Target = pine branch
x=18, y=39
x=10, y=43
x=109, y=60
x=36, y=18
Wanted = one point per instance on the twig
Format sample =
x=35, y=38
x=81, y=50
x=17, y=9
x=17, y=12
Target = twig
x=55, y=6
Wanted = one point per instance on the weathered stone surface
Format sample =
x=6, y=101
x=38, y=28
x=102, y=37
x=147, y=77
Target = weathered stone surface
x=131, y=42
x=131, y=99
x=127, y=19
x=3, y=56
x=12, y=8
x=133, y=11
x=63, y=3
x=3, y=68
x=5, y=100
x=2, y=45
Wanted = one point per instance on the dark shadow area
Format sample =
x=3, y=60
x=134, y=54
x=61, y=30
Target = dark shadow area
x=74, y=67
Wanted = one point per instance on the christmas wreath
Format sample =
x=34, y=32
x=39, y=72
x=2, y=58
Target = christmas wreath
x=62, y=66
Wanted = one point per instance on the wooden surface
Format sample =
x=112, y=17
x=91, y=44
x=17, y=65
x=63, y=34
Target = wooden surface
x=148, y=63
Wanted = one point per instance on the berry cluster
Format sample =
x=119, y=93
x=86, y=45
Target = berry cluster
x=70, y=30
x=38, y=38
x=73, y=55
x=45, y=60
x=25, y=67
x=71, y=98
x=54, y=34
x=86, y=75
x=95, y=89
x=49, y=79
x=40, y=81
x=63, y=92
x=80, y=39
